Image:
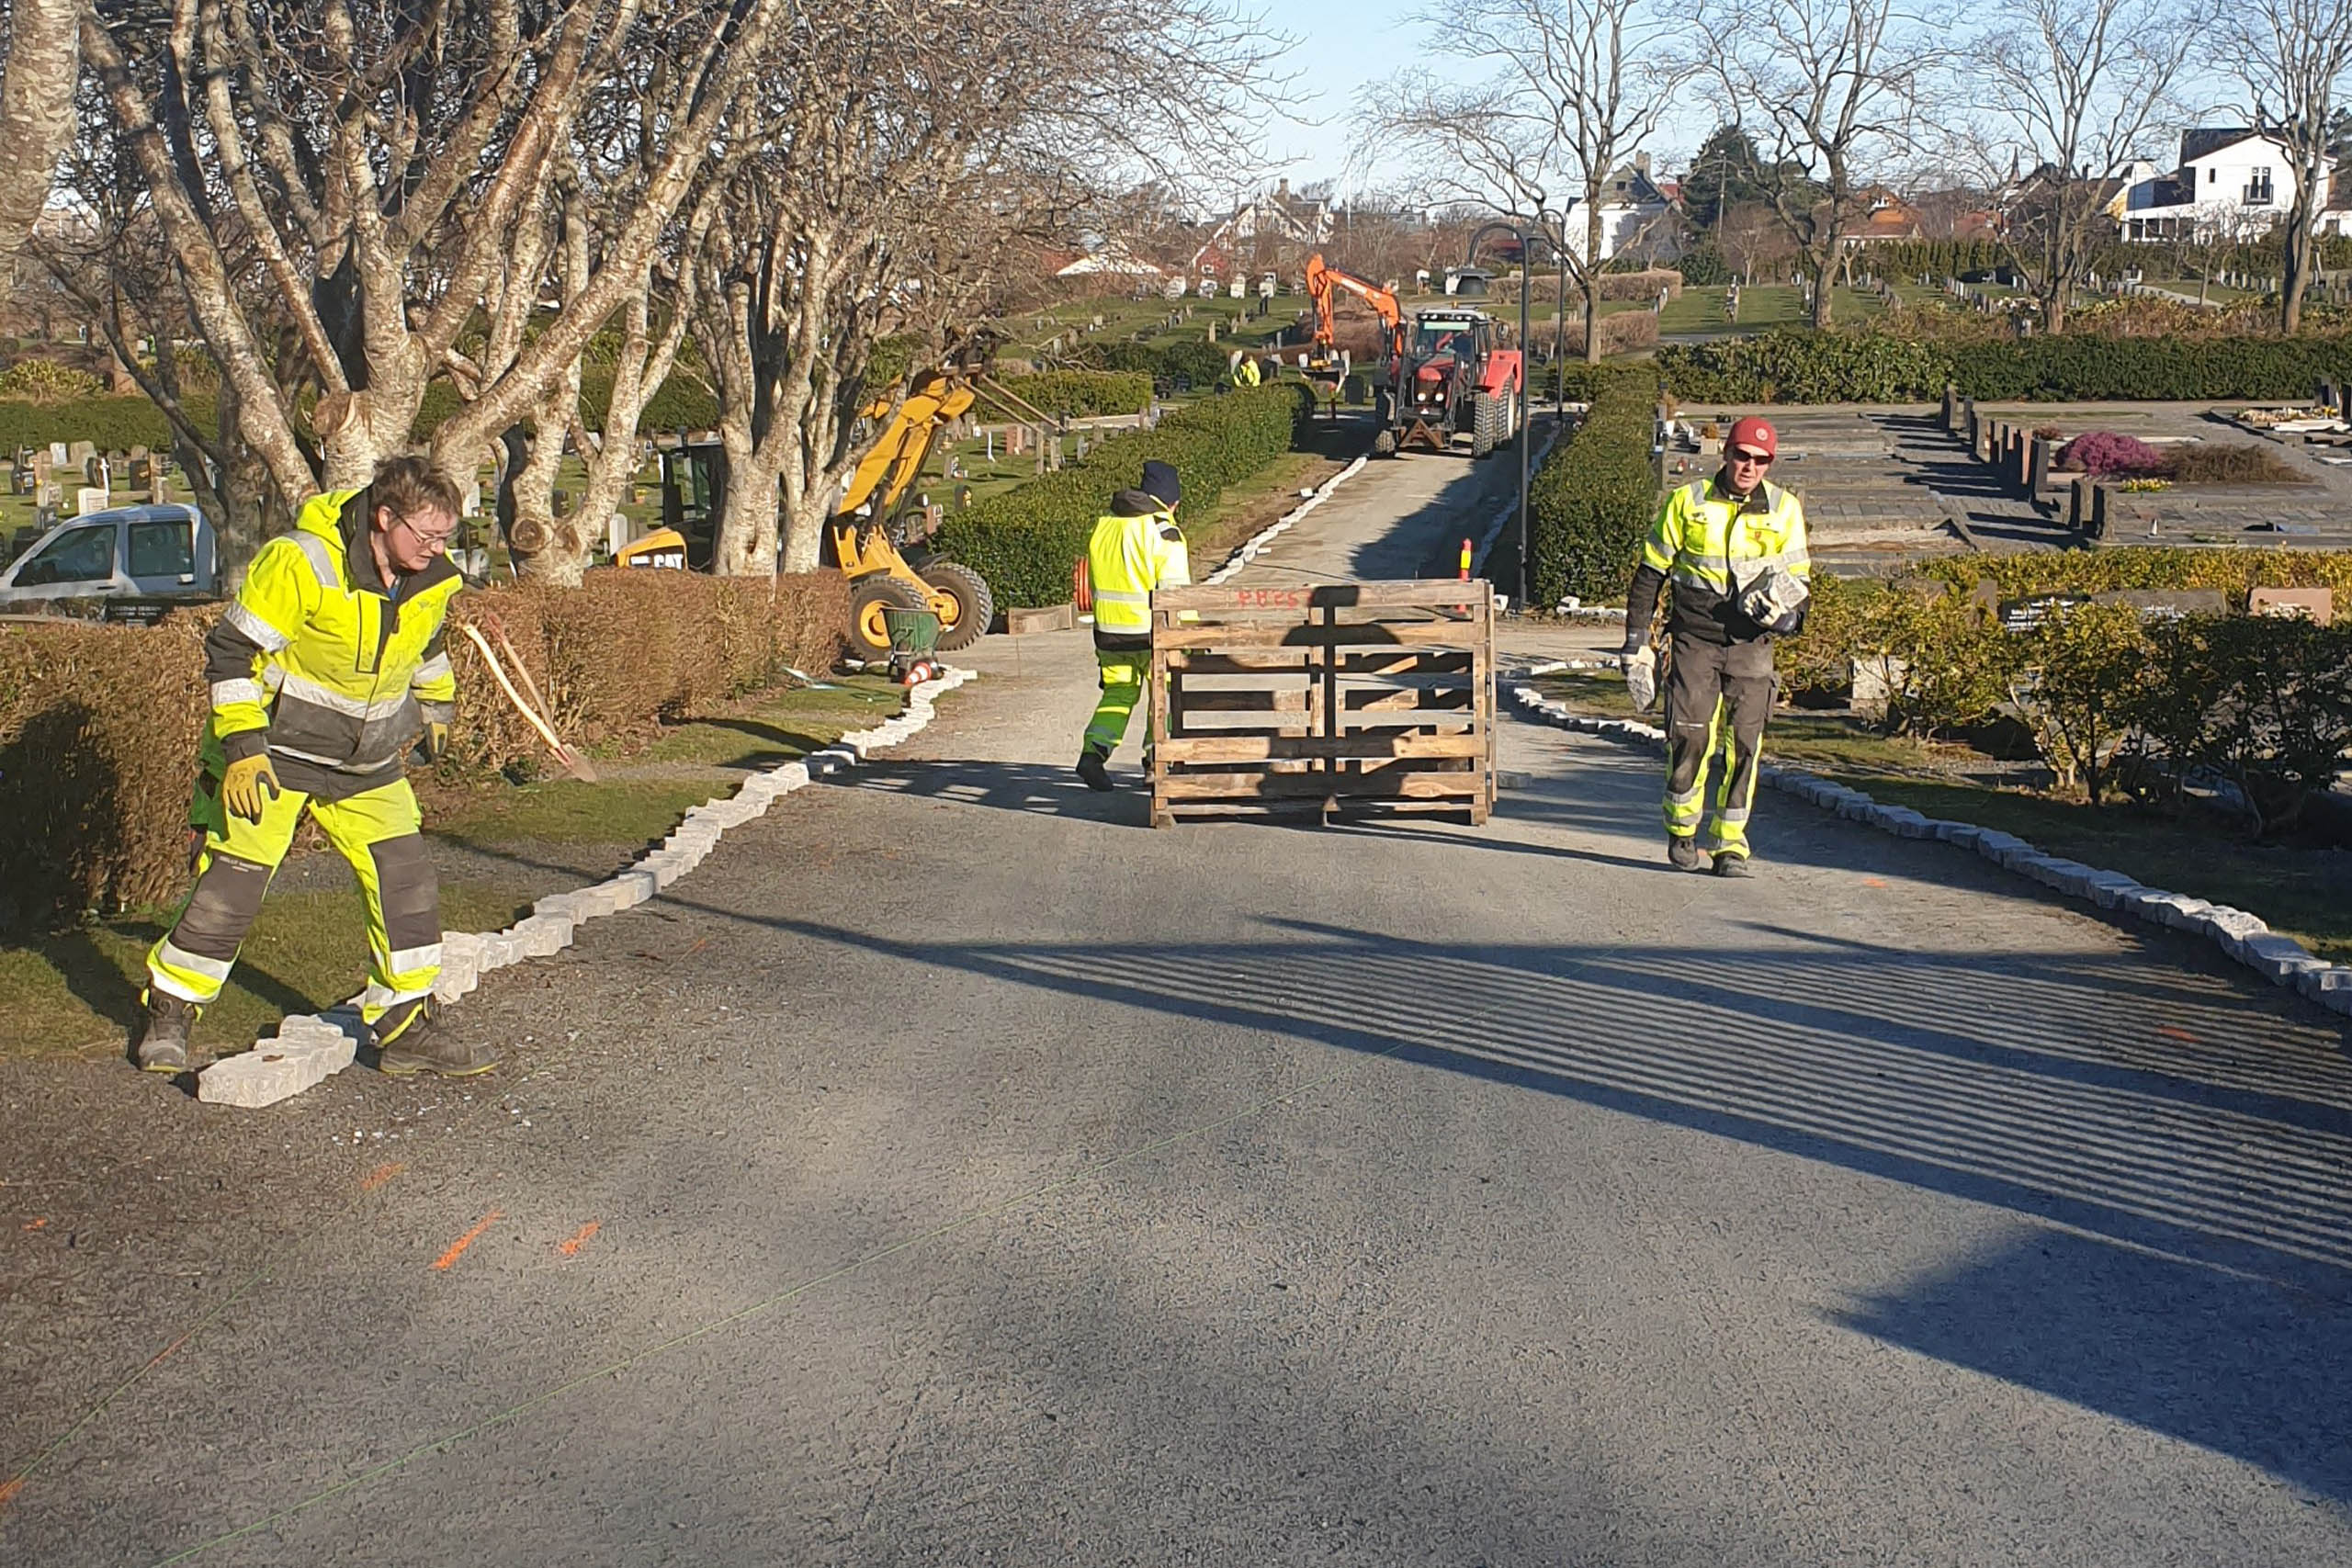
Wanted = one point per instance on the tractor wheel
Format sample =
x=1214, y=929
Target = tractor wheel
x=1488, y=421
x=969, y=608
x=869, y=634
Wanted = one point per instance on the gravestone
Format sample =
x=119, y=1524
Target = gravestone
x=2309, y=604
x=79, y=453
x=2078, y=504
x=2103, y=505
x=1952, y=408
x=89, y=499
x=2167, y=603
x=2019, y=617
x=58, y=454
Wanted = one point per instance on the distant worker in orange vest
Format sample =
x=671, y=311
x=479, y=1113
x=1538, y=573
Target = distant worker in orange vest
x=1134, y=550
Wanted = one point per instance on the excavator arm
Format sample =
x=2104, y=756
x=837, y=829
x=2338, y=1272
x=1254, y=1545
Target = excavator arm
x=1322, y=279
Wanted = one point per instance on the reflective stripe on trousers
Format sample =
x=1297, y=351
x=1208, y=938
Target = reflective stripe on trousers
x=375, y=830
x=1123, y=681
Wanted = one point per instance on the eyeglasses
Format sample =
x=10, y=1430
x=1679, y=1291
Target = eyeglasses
x=1758, y=459
x=439, y=541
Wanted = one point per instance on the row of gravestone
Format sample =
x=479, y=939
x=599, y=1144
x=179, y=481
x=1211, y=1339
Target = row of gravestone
x=2027, y=613
x=2025, y=463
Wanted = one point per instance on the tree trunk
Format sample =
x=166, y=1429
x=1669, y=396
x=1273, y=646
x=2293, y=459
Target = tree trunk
x=1824, y=267
x=548, y=547
x=747, y=530
x=2295, y=275
x=1592, y=277
x=36, y=110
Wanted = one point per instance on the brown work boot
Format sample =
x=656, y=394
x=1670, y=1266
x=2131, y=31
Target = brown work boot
x=163, y=1044
x=405, y=1043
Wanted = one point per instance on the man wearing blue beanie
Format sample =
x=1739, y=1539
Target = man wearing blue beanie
x=1135, y=548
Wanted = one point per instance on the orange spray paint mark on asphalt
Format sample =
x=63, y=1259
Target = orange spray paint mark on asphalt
x=378, y=1176
x=458, y=1248
x=36, y=1225
x=1873, y=882
x=579, y=1239
x=8, y=1490
x=2169, y=1032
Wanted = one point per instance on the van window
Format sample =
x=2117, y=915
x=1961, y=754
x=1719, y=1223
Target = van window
x=161, y=550
x=82, y=555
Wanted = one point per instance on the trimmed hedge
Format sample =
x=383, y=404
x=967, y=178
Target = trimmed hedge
x=1195, y=360
x=1025, y=540
x=1792, y=366
x=99, y=724
x=1596, y=494
x=111, y=424
x=1081, y=394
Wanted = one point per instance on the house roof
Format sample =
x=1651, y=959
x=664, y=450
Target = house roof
x=2198, y=143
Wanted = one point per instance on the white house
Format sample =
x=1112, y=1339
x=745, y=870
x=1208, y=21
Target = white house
x=2233, y=183
x=1633, y=211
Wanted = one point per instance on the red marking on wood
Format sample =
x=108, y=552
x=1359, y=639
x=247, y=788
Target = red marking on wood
x=458, y=1248
x=579, y=1239
x=378, y=1176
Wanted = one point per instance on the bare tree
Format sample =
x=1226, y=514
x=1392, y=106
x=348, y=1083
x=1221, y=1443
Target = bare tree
x=36, y=111
x=1574, y=89
x=906, y=157
x=2293, y=54
x=2072, y=90
x=340, y=186
x=1827, y=88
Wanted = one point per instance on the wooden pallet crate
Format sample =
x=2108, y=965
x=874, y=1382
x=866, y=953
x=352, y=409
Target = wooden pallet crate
x=1323, y=700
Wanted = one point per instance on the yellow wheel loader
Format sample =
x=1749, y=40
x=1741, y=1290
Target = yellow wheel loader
x=870, y=536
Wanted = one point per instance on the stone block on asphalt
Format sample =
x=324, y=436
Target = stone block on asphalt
x=272, y=1071
x=633, y=886
x=792, y=776
x=541, y=936
x=2275, y=958
x=2222, y=920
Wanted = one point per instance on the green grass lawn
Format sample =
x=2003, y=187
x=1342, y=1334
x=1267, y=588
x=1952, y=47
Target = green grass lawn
x=2300, y=893
x=77, y=992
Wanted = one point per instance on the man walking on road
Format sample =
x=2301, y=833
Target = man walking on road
x=324, y=671
x=1134, y=550
x=1734, y=548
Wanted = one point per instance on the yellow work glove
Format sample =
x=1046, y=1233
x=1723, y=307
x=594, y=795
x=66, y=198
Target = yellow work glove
x=242, y=785
x=435, y=741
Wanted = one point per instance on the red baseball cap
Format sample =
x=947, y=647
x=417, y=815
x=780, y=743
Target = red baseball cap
x=1756, y=436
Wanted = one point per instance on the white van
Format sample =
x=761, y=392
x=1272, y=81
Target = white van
x=130, y=552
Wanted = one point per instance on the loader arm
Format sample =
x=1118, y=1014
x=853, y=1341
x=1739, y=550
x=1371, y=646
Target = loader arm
x=886, y=471
x=1322, y=279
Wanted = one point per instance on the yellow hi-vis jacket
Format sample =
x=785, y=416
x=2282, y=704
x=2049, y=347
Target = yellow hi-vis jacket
x=331, y=670
x=1246, y=374
x=1137, y=549
x=1710, y=544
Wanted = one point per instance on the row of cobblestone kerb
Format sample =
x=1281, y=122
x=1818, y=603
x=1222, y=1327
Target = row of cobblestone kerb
x=307, y=1047
x=2278, y=959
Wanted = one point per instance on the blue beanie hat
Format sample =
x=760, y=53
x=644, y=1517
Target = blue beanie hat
x=1159, y=480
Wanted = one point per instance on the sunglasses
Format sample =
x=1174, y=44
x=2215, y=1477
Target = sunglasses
x=1758, y=459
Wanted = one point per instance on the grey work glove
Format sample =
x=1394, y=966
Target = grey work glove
x=1641, y=677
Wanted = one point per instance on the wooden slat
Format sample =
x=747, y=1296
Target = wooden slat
x=1279, y=663
x=1290, y=634
x=1434, y=594
x=1463, y=784
x=1260, y=747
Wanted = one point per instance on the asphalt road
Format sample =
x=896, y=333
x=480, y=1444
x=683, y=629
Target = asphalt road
x=954, y=1170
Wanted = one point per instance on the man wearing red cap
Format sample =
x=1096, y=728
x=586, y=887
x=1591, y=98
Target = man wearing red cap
x=1734, y=548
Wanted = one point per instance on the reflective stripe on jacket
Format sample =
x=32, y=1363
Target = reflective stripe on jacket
x=318, y=659
x=1708, y=544
x=1137, y=549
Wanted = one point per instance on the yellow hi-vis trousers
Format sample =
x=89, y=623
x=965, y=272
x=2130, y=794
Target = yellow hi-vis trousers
x=1123, y=676
x=376, y=830
x=1717, y=700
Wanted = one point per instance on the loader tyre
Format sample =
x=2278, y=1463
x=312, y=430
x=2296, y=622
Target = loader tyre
x=869, y=634
x=1488, y=421
x=974, y=606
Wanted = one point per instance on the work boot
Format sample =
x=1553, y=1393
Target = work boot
x=405, y=1043
x=163, y=1044
x=1093, y=766
x=1732, y=865
x=1684, y=852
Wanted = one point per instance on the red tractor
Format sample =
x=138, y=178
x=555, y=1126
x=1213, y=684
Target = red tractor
x=1452, y=378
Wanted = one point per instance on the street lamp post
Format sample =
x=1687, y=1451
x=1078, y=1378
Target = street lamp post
x=1525, y=235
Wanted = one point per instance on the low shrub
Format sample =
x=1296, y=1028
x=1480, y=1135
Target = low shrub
x=2240, y=464
x=2264, y=702
x=1805, y=368
x=46, y=382
x=1641, y=286
x=1195, y=362
x=1627, y=331
x=111, y=424
x=1081, y=394
x=1596, y=494
x=99, y=724
x=1025, y=540
x=2102, y=452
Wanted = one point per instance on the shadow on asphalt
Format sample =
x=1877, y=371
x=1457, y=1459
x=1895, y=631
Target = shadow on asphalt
x=2192, y=1269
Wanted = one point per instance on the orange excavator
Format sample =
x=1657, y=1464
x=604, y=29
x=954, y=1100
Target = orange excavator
x=1327, y=365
